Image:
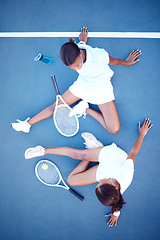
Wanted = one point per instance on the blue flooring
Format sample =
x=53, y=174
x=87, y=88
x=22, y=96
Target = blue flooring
x=30, y=210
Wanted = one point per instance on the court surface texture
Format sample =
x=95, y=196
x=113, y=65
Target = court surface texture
x=31, y=210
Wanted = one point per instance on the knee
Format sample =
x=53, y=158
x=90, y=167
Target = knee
x=70, y=180
x=115, y=129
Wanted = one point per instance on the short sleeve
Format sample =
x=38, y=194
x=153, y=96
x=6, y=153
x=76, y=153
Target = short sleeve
x=105, y=56
x=128, y=172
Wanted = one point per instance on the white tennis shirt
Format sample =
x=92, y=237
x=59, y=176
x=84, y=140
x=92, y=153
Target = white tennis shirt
x=113, y=163
x=93, y=83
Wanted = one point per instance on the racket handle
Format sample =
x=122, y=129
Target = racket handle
x=55, y=84
x=76, y=194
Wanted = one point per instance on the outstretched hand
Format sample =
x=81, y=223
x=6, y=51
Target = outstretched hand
x=113, y=220
x=145, y=127
x=132, y=58
x=83, y=35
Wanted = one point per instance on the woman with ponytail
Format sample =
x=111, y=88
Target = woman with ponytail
x=114, y=171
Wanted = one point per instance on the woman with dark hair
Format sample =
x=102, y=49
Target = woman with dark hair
x=93, y=84
x=114, y=171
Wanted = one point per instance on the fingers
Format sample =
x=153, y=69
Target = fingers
x=108, y=215
x=84, y=30
x=145, y=127
x=150, y=126
x=139, y=125
x=136, y=61
x=131, y=52
x=147, y=123
x=111, y=222
x=132, y=58
x=136, y=53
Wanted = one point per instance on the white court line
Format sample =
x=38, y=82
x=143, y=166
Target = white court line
x=90, y=34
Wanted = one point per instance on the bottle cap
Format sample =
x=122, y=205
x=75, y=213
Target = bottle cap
x=38, y=57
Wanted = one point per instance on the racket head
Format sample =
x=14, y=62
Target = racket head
x=66, y=125
x=51, y=176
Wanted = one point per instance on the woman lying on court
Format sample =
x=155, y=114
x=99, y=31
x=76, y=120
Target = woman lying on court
x=114, y=171
x=93, y=84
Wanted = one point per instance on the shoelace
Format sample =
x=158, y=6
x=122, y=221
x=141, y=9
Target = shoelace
x=23, y=121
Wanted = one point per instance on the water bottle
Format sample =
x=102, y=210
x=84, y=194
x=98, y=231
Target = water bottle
x=43, y=58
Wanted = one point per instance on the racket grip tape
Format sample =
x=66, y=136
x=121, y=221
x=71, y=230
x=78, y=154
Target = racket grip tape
x=76, y=194
x=55, y=84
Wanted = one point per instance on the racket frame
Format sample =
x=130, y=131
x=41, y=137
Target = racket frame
x=59, y=97
x=60, y=179
x=60, y=176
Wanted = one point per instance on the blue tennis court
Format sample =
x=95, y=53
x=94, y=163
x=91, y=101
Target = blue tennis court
x=31, y=210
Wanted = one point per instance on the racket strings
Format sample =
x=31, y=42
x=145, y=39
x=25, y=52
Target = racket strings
x=65, y=123
x=49, y=176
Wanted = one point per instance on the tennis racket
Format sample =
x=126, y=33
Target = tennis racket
x=48, y=173
x=66, y=125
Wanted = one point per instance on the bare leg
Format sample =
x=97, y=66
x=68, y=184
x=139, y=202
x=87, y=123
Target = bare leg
x=80, y=175
x=91, y=154
x=68, y=97
x=108, y=117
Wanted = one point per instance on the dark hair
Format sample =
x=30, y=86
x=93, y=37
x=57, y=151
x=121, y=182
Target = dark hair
x=69, y=52
x=108, y=195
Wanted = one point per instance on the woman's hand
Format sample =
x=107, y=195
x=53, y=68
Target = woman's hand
x=113, y=220
x=132, y=58
x=83, y=35
x=145, y=127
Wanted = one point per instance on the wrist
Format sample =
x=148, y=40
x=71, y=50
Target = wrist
x=141, y=135
x=82, y=42
x=116, y=214
x=126, y=63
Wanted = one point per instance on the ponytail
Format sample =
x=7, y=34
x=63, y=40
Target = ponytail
x=119, y=205
x=108, y=195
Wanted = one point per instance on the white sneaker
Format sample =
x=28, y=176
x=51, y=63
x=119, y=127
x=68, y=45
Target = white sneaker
x=34, y=152
x=91, y=141
x=23, y=126
x=79, y=109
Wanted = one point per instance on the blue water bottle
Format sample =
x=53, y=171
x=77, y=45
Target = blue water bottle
x=43, y=58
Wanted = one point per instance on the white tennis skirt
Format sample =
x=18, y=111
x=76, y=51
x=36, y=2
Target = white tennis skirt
x=101, y=96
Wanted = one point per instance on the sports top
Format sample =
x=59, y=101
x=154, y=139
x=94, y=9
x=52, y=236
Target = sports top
x=113, y=163
x=93, y=83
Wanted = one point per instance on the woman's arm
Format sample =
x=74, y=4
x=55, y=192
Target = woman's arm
x=142, y=132
x=131, y=59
